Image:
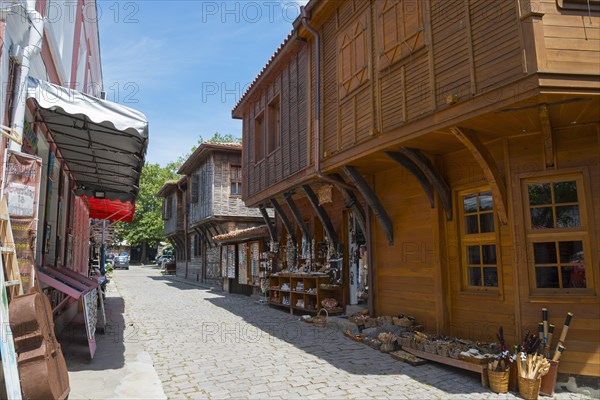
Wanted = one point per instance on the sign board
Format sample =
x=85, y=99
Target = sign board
x=22, y=189
x=243, y=263
x=231, y=261
x=254, y=260
x=90, y=315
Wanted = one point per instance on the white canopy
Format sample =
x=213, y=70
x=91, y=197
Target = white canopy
x=103, y=143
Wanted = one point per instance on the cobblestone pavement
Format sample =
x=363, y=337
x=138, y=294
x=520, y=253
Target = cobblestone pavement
x=207, y=344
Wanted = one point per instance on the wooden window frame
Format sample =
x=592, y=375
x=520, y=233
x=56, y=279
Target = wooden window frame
x=581, y=233
x=479, y=239
x=236, y=181
x=167, y=207
x=195, y=190
x=579, y=5
x=347, y=50
x=407, y=42
x=259, y=138
x=276, y=136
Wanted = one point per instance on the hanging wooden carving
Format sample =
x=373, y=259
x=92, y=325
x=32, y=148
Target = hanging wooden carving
x=325, y=194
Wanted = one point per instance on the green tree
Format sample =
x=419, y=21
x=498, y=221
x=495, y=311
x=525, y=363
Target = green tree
x=146, y=229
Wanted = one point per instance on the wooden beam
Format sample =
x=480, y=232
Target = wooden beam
x=549, y=155
x=322, y=214
x=411, y=167
x=296, y=214
x=372, y=200
x=268, y=222
x=351, y=200
x=488, y=165
x=435, y=178
x=284, y=219
x=206, y=235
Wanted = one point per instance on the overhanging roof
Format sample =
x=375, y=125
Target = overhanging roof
x=103, y=143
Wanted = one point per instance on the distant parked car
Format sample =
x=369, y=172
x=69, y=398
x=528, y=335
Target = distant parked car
x=121, y=261
x=165, y=258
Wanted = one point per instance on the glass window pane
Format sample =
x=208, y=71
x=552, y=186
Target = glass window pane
x=474, y=276
x=486, y=222
x=571, y=252
x=470, y=203
x=541, y=218
x=485, y=201
x=471, y=224
x=544, y=253
x=565, y=192
x=574, y=277
x=488, y=254
x=473, y=256
x=546, y=277
x=567, y=217
x=490, y=277
x=539, y=194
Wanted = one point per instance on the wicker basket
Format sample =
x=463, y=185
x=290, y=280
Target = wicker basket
x=498, y=381
x=387, y=347
x=403, y=322
x=320, y=320
x=529, y=389
x=404, y=341
x=430, y=346
x=370, y=322
x=443, y=348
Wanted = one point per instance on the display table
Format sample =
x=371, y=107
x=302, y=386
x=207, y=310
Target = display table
x=481, y=369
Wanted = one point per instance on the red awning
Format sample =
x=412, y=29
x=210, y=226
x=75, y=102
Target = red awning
x=111, y=210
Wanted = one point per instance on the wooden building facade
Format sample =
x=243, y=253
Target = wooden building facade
x=467, y=132
x=205, y=202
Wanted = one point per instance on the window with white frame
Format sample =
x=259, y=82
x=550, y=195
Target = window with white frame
x=557, y=233
x=478, y=240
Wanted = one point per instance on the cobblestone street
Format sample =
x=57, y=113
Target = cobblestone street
x=207, y=344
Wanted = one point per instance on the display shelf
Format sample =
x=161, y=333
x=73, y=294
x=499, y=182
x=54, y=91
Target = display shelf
x=307, y=282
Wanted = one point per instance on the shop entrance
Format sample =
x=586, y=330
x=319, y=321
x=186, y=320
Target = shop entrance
x=357, y=262
x=234, y=283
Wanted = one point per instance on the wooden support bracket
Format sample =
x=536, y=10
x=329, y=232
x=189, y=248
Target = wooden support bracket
x=415, y=171
x=268, y=222
x=372, y=200
x=433, y=175
x=488, y=165
x=351, y=200
x=322, y=214
x=284, y=219
x=549, y=155
x=296, y=214
x=206, y=234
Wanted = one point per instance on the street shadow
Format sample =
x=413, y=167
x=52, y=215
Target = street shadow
x=180, y=283
x=326, y=343
x=329, y=344
x=110, y=348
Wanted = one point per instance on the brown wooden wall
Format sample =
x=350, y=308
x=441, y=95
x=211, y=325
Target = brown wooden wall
x=408, y=278
x=577, y=151
x=405, y=273
x=569, y=36
x=452, y=48
x=291, y=83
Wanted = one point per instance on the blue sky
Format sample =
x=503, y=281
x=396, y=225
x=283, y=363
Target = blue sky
x=186, y=63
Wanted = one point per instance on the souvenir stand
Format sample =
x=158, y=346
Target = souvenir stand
x=244, y=259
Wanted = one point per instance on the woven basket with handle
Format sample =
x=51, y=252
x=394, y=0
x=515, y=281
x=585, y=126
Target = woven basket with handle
x=321, y=320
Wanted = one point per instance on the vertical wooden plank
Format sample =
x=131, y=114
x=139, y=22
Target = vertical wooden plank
x=473, y=86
